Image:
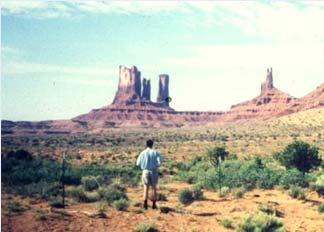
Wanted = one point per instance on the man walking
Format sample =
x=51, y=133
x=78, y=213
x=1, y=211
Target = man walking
x=149, y=160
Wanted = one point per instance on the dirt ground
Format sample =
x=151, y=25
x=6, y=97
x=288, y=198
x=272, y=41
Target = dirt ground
x=205, y=215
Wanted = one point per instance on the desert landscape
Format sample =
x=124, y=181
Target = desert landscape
x=255, y=167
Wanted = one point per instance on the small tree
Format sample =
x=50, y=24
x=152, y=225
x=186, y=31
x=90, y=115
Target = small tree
x=300, y=155
x=215, y=156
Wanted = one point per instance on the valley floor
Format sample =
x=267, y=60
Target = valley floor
x=204, y=215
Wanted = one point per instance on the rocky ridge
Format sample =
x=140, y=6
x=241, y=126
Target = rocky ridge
x=132, y=107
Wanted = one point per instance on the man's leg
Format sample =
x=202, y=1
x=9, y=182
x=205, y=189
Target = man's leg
x=145, y=194
x=154, y=196
x=154, y=186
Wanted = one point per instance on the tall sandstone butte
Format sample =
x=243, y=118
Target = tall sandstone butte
x=146, y=90
x=163, y=93
x=268, y=84
x=129, y=86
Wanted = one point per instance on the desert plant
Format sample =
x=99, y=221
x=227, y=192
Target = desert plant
x=215, y=154
x=297, y=192
x=238, y=193
x=260, y=222
x=121, y=205
x=293, y=177
x=101, y=208
x=146, y=227
x=267, y=209
x=186, y=196
x=110, y=194
x=227, y=223
x=197, y=193
x=56, y=202
x=319, y=185
x=321, y=208
x=92, y=196
x=224, y=191
x=300, y=155
x=40, y=215
x=16, y=207
x=161, y=197
x=77, y=193
x=89, y=183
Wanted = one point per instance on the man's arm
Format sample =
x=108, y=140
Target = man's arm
x=138, y=161
x=159, y=158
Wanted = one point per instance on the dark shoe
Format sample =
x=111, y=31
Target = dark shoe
x=154, y=205
x=145, y=204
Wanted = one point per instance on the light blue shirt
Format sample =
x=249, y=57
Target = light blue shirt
x=149, y=159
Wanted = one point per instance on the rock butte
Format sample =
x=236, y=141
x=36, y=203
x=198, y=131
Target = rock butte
x=132, y=107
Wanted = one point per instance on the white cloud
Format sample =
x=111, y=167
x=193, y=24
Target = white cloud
x=8, y=51
x=277, y=20
x=227, y=74
x=58, y=70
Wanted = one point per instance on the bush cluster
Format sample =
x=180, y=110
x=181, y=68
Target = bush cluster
x=265, y=173
x=260, y=222
x=297, y=192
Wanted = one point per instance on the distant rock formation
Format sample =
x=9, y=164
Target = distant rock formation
x=132, y=107
x=129, y=86
x=270, y=102
x=163, y=93
x=268, y=84
x=133, y=93
x=146, y=90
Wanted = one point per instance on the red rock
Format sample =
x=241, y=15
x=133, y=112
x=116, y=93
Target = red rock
x=132, y=107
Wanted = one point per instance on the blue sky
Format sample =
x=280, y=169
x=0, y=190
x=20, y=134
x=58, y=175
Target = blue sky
x=60, y=58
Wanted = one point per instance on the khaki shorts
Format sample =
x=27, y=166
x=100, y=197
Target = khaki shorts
x=150, y=177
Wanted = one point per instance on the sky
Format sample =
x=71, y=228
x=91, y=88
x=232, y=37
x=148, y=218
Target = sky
x=60, y=59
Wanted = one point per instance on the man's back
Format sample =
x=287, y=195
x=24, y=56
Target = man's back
x=149, y=159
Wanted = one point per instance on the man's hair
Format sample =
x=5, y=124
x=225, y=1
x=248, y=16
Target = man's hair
x=149, y=143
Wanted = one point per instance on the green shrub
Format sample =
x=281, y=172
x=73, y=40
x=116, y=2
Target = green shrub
x=89, y=183
x=16, y=207
x=101, y=207
x=56, y=202
x=215, y=154
x=300, y=155
x=119, y=187
x=186, y=196
x=224, y=191
x=238, y=193
x=77, y=193
x=40, y=215
x=146, y=227
x=161, y=197
x=111, y=194
x=321, y=208
x=197, y=193
x=92, y=196
x=293, y=177
x=297, y=192
x=121, y=205
x=267, y=209
x=319, y=185
x=260, y=222
x=227, y=223
x=268, y=178
x=20, y=155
